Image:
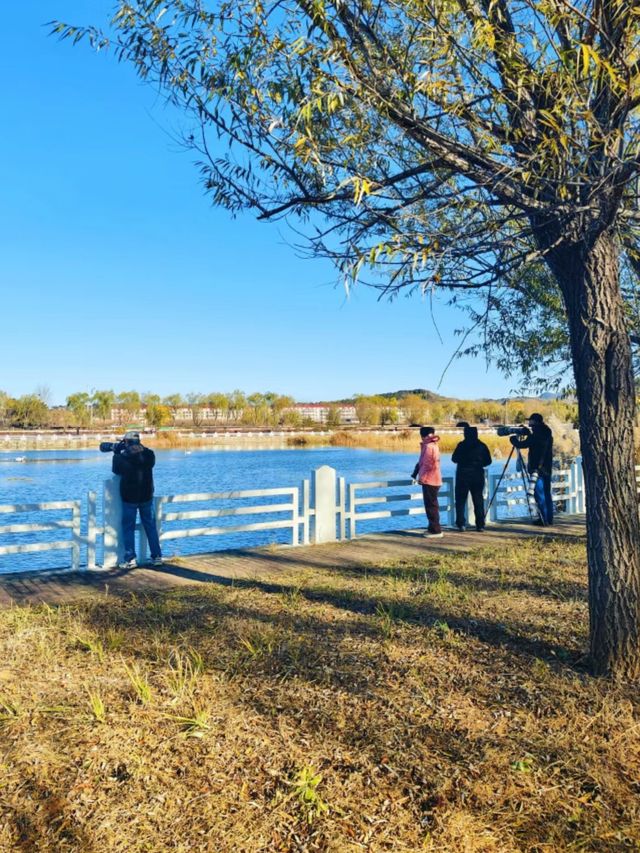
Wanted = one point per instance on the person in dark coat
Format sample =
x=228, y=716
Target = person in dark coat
x=471, y=457
x=133, y=463
x=538, y=439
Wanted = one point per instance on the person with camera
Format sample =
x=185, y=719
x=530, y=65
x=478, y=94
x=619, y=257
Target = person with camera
x=538, y=439
x=133, y=463
x=427, y=473
x=471, y=457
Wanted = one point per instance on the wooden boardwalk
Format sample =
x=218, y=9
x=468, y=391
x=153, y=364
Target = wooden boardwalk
x=273, y=562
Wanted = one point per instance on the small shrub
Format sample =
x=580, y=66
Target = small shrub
x=139, y=683
x=97, y=706
x=114, y=640
x=185, y=668
x=305, y=789
x=197, y=725
x=9, y=711
x=92, y=645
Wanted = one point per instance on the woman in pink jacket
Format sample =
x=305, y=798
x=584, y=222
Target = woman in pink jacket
x=427, y=472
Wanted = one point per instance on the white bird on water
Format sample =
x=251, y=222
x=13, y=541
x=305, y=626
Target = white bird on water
x=21, y=459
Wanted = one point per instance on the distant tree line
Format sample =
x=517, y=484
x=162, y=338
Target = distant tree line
x=105, y=407
x=422, y=409
x=27, y=412
x=257, y=409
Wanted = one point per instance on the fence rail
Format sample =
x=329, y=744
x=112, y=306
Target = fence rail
x=357, y=499
x=323, y=508
x=290, y=507
x=23, y=546
x=567, y=491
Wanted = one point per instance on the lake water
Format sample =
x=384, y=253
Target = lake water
x=70, y=474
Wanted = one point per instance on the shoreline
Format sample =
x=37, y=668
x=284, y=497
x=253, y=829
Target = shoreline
x=401, y=440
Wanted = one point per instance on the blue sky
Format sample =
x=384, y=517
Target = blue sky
x=117, y=272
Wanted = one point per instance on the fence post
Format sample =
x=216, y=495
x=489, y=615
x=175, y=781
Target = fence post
x=573, y=488
x=450, y=508
x=112, y=514
x=580, y=479
x=323, y=481
x=158, y=503
x=486, y=493
x=142, y=551
x=75, y=548
x=306, y=512
x=91, y=530
x=351, y=510
x=471, y=513
x=295, y=517
x=493, y=512
x=342, y=507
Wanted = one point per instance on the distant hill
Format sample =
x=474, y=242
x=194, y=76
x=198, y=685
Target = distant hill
x=421, y=392
x=432, y=397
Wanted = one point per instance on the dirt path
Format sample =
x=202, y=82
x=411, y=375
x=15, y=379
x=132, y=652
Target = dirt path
x=271, y=562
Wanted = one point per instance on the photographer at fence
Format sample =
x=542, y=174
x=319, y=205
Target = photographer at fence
x=538, y=439
x=427, y=472
x=134, y=463
x=471, y=457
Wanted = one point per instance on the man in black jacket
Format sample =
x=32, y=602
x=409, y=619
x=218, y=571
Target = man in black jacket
x=471, y=457
x=134, y=463
x=539, y=441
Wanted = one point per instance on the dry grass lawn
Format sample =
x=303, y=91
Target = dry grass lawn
x=437, y=705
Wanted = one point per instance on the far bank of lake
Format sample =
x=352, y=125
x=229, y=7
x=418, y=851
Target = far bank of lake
x=399, y=439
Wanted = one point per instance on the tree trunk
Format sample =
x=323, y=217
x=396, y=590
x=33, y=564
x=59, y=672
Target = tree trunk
x=601, y=352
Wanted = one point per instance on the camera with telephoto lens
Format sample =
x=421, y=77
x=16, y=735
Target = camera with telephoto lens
x=504, y=429
x=112, y=446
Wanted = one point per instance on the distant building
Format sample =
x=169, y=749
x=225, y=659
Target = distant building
x=120, y=415
x=316, y=412
x=319, y=412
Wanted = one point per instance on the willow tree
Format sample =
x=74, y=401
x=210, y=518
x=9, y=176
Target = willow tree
x=448, y=145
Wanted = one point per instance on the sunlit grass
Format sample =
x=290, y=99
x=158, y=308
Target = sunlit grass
x=439, y=703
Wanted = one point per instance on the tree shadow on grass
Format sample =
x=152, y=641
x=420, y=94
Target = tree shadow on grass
x=337, y=676
x=53, y=825
x=368, y=561
x=538, y=584
x=424, y=562
x=515, y=636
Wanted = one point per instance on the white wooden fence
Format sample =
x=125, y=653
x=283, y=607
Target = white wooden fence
x=567, y=490
x=323, y=509
x=360, y=497
x=290, y=506
x=23, y=532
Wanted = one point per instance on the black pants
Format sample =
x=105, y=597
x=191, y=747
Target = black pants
x=430, y=498
x=470, y=481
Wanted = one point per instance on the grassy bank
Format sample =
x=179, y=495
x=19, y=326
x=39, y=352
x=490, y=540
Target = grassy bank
x=438, y=705
x=402, y=441
x=408, y=441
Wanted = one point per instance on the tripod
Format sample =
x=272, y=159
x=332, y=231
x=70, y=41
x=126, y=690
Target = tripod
x=527, y=483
